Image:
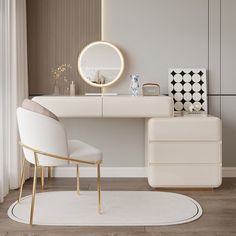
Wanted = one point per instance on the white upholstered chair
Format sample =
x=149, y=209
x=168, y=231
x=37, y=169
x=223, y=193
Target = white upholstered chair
x=45, y=144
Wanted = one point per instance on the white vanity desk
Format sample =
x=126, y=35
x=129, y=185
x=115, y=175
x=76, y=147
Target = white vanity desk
x=180, y=151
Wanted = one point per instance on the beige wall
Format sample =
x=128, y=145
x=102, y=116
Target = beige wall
x=57, y=32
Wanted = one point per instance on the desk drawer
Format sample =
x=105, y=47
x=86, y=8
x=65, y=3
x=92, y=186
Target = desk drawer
x=76, y=106
x=140, y=106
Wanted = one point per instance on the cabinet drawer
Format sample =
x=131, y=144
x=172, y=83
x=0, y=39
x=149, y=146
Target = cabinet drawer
x=185, y=175
x=196, y=128
x=184, y=152
x=140, y=106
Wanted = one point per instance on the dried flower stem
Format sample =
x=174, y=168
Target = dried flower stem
x=56, y=73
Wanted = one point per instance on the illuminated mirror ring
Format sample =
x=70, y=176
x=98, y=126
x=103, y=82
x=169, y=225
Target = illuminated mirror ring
x=100, y=64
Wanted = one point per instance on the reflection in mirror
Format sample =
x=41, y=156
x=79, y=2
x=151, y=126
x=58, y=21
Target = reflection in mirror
x=100, y=64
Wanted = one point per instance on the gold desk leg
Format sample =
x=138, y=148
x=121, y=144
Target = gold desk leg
x=33, y=194
x=78, y=182
x=50, y=169
x=99, y=188
x=22, y=179
x=42, y=177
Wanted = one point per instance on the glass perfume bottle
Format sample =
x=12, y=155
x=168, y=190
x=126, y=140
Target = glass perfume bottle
x=134, y=85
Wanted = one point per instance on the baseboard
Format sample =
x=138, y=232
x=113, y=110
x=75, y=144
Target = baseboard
x=228, y=172
x=119, y=172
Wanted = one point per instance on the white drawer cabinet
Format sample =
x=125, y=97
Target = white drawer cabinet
x=184, y=151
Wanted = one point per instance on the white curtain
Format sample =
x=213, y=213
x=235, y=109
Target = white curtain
x=13, y=88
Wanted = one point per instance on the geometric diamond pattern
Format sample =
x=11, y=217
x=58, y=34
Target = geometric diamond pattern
x=196, y=85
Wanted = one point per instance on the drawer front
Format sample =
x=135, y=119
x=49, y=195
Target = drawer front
x=184, y=152
x=141, y=106
x=72, y=106
x=185, y=175
x=185, y=128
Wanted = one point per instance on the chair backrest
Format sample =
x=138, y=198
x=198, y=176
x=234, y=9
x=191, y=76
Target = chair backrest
x=42, y=133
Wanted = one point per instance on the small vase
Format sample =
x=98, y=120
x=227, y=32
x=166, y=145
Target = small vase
x=134, y=85
x=56, y=89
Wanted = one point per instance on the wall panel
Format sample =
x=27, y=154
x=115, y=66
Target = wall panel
x=214, y=105
x=228, y=80
x=214, y=70
x=229, y=130
x=228, y=46
x=57, y=32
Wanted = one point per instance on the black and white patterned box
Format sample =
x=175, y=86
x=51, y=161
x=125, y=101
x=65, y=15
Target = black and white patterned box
x=188, y=87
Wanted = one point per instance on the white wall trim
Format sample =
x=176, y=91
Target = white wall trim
x=130, y=172
x=119, y=172
x=228, y=172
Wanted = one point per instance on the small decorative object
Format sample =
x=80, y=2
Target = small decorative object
x=151, y=89
x=101, y=78
x=72, y=89
x=58, y=79
x=56, y=90
x=191, y=108
x=197, y=107
x=188, y=87
x=134, y=84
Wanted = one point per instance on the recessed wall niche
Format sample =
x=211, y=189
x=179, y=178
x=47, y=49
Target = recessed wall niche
x=57, y=30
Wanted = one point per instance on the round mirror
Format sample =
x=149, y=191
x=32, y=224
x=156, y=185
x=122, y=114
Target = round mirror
x=100, y=64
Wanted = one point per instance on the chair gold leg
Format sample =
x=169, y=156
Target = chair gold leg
x=78, y=182
x=33, y=195
x=22, y=179
x=42, y=178
x=99, y=188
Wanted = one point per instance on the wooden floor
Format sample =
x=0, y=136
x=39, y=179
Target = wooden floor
x=219, y=216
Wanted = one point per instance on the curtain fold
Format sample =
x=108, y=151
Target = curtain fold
x=13, y=89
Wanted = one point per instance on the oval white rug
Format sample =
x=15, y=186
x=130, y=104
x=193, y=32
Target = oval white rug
x=119, y=208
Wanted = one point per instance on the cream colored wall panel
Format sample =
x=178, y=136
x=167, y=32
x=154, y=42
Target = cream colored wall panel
x=191, y=128
x=184, y=152
x=228, y=46
x=185, y=175
x=72, y=106
x=155, y=35
x=228, y=109
x=141, y=106
x=214, y=76
x=214, y=106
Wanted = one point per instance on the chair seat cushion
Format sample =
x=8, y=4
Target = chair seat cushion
x=82, y=151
